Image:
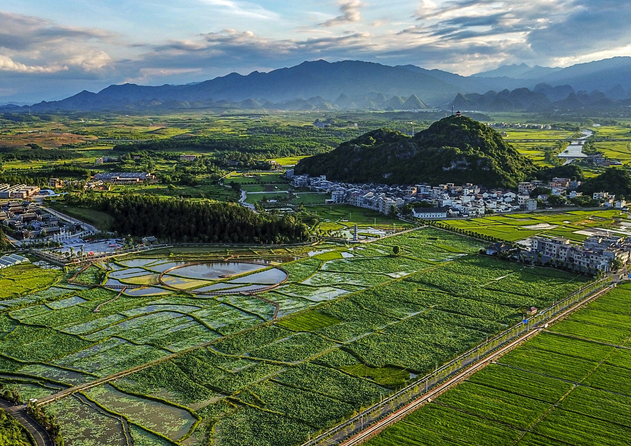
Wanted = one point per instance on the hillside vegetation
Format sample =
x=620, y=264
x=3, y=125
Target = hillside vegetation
x=455, y=149
x=613, y=180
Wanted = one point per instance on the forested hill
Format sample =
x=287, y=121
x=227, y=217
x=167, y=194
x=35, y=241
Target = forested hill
x=455, y=149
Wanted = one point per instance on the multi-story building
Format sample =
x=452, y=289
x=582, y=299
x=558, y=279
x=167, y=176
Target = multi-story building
x=595, y=254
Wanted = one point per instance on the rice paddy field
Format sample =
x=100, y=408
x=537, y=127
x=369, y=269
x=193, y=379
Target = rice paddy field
x=348, y=326
x=574, y=225
x=567, y=386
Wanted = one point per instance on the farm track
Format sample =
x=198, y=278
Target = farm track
x=82, y=387
x=384, y=419
x=98, y=308
x=36, y=430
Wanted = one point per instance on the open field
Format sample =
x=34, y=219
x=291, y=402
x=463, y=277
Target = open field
x=354, y=324
x=100, y=220
x=571, y=224
x=556, y=389
x=341, y=216
x=26, y=278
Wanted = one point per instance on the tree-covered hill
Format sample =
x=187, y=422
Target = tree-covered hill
x=455, y=149
x=613, y=180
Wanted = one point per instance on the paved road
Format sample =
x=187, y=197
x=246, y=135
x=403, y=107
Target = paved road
x=37, y=431
x=67, y=218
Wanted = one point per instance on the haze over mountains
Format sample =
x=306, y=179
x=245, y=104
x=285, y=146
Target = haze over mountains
x=320, y=85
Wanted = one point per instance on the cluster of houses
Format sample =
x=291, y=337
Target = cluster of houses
x=517, y=125
x=20, y=191
x=600, y=160
x=596, y=254
x=442, y=201
x=446, y=200
x=56, y=183
x=26, y=221
x=12, y=260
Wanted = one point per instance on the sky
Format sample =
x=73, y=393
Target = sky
x=51, y=49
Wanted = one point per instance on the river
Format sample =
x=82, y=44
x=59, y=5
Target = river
x=575, y=150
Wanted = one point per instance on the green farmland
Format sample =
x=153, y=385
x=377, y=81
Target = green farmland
x=567, y=386
x=574, y=225
x=351, y=326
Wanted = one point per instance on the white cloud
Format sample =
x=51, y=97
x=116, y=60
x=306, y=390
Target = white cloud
x=350, y=13
x=242, y=9
x=8, y=64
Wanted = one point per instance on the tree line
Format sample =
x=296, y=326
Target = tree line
x=177, y=220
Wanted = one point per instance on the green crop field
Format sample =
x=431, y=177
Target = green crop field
x=21, y=279
x=353, y=324
x=566, y=386
x=574, y=225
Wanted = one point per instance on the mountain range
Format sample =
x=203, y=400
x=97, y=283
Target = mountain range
x=321, y=85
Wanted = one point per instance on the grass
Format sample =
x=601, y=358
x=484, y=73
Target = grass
x=289, y=161
x=309, y=321
x=99, y=219
x=351, y=215
x=25, y=278
x=391, y=377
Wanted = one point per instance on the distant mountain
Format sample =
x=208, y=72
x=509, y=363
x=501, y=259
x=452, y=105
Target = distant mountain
x=544, y=98
x=463, y=83
x=521, y=99
x=310, y=85
x=554, y=94
x=454, y=149
x=600, y=75
x=321, y=85
x=521, y=71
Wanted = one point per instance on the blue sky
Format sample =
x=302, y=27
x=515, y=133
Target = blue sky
x=50, y=49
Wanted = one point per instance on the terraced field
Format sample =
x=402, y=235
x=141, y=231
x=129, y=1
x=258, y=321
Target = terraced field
x=567, y=386
x=351, y=326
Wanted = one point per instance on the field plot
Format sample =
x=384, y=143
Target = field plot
x=566, y=386
x=574, y=225
x=20, y=279
x=367, y=322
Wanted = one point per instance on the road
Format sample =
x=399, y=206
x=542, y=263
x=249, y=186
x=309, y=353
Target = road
x=72, y=220
x=244, y=196
x=376, y=422
x=19, y=413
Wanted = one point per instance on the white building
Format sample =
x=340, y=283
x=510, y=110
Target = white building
x=429, y=213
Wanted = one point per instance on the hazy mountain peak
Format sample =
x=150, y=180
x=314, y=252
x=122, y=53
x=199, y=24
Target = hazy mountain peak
x=521, y=71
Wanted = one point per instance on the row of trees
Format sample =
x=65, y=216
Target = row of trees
x=190, y=221
x=4, y=243
x=47, y=421
x=11, y=432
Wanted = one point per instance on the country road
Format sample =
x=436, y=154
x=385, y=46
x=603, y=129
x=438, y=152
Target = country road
x=69, y=219
x=19, y=413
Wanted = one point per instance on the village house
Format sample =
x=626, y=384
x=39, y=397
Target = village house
x=429, y=213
